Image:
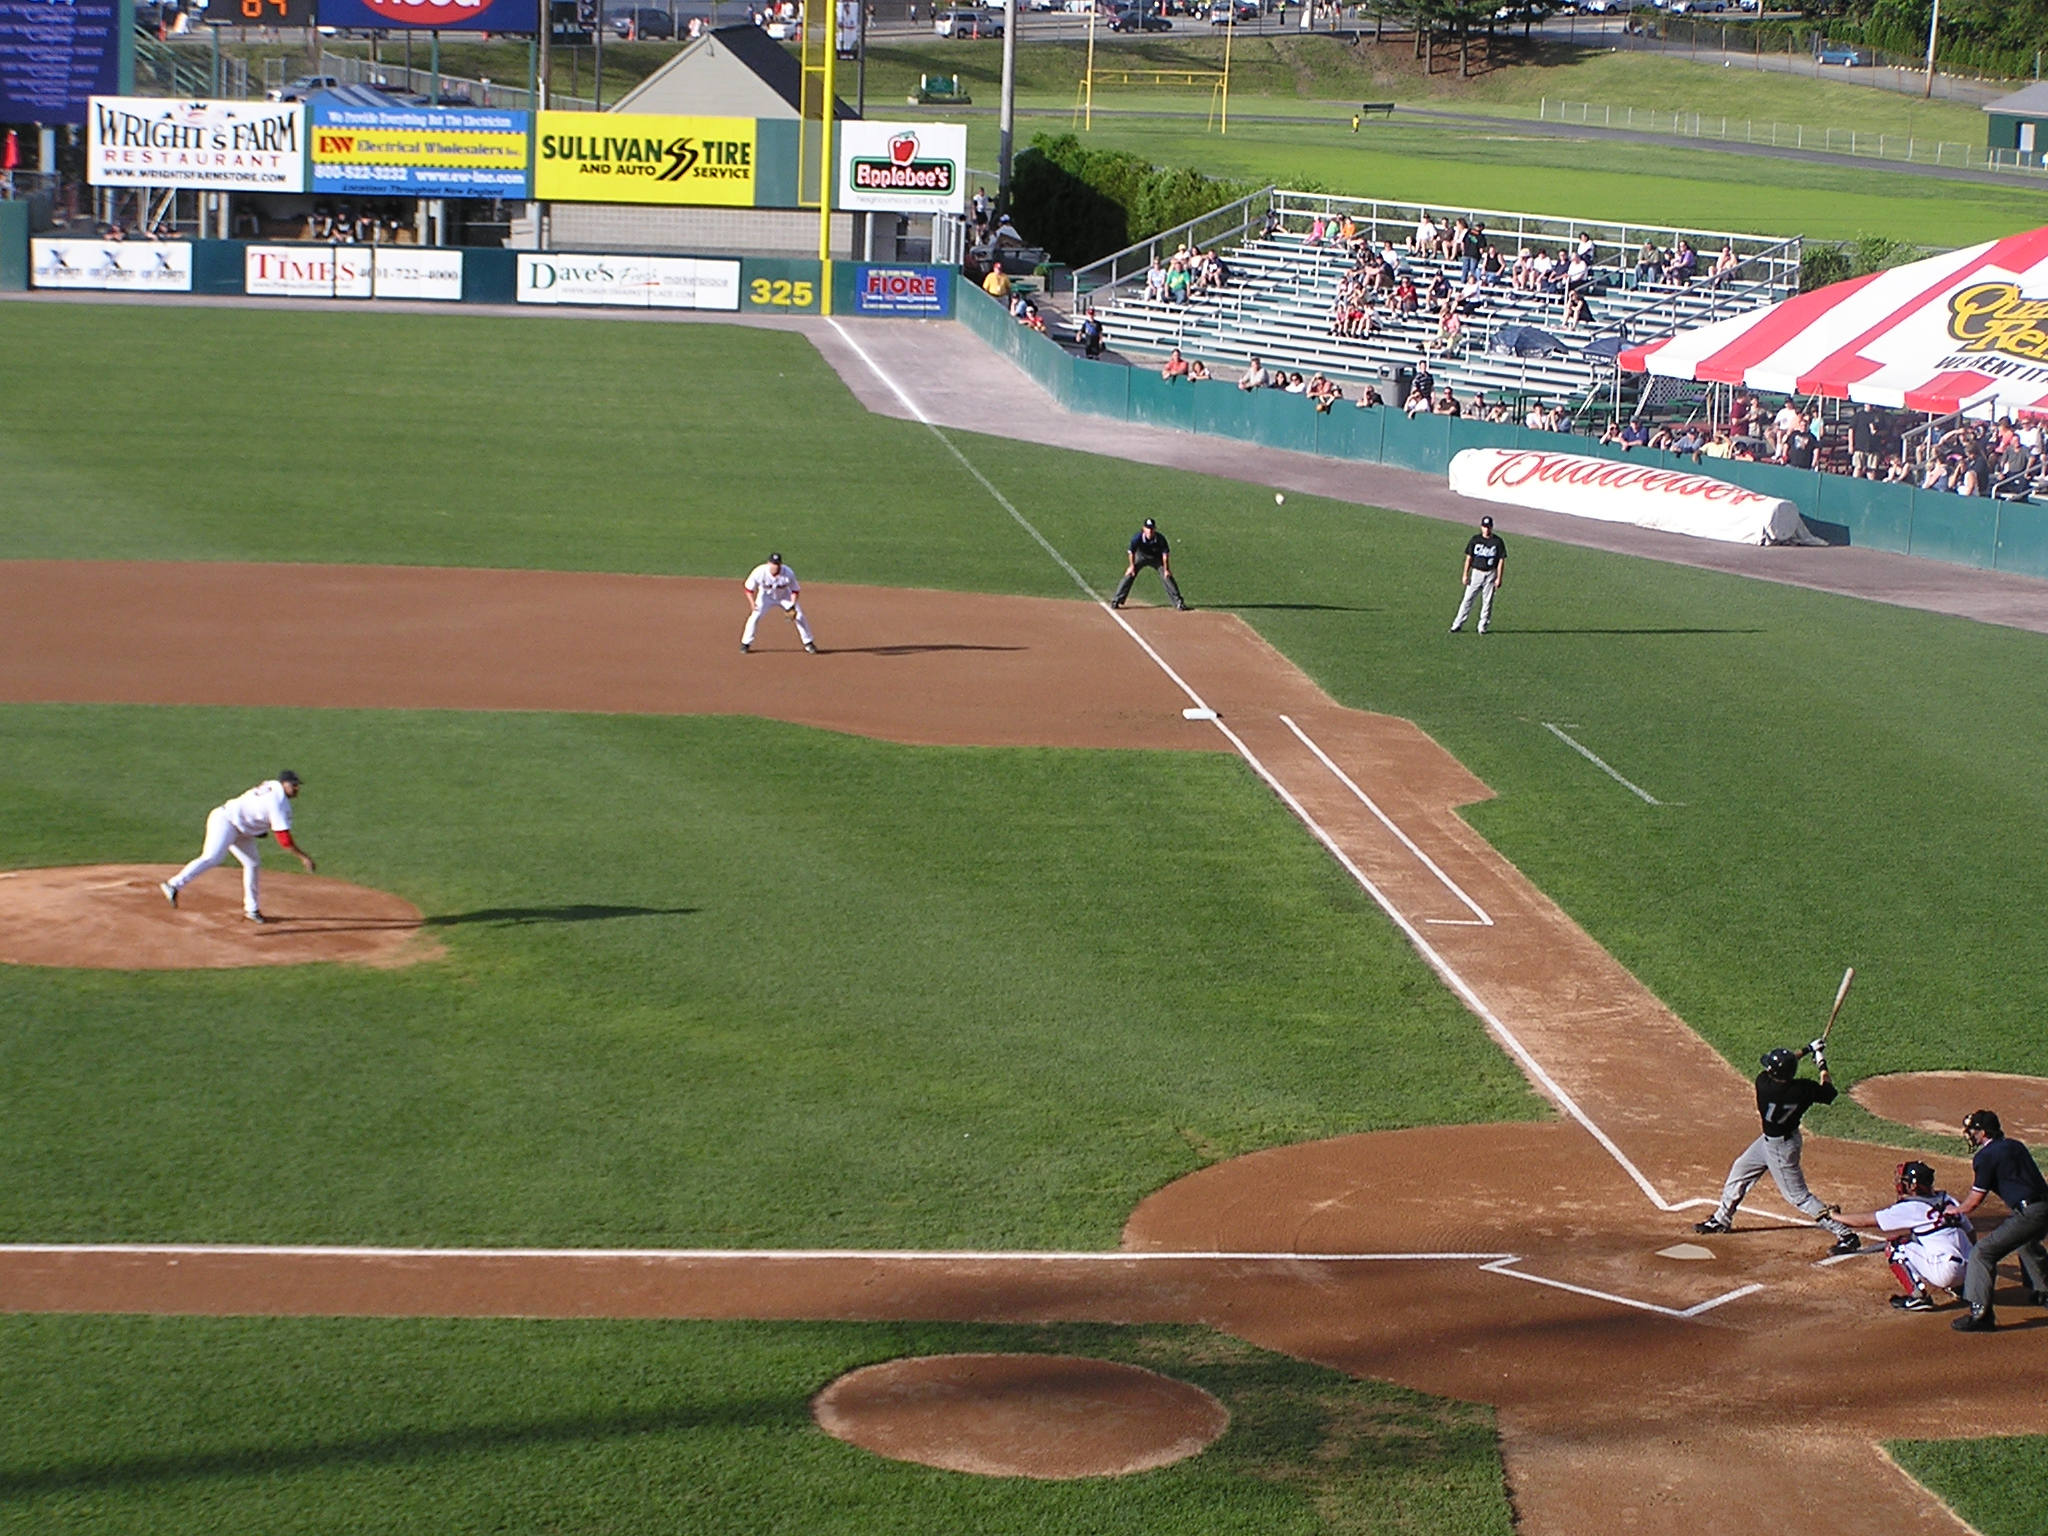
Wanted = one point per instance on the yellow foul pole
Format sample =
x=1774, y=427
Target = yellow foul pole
x=1229, y=31
x=1088, y=80
x=828, y=166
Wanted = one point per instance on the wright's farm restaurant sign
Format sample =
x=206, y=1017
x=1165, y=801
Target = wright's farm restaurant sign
x=241, y=146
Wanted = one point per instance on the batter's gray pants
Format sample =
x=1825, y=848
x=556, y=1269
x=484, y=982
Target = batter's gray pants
x=2022, y=1232
x=1779, y=1157
x=1479, y=584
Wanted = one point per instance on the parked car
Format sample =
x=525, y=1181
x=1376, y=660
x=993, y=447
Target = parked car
x=1246, y=11
x=1132, y=21
x=303, y=87
x=967, y=24
x=645, y=22
x=1848, y=58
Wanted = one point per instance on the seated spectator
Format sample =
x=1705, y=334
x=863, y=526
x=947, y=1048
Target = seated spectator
x=1176, y=367
x=1406, y=300
x=1612, y=438
x=1316, y=230
x=1688, y=440
x=1253, y=377
x=1155, y=281
x=1418, y=403
x=1574, y=305
x=1448, y=405
x=1661, y=439
x=1439, y=290
x=1534, y=420
x=1198, y=372
x=1718, y=446
x=1296, y=384
x=1324, y=392
x=1683, y=265
x=1649, y=265
x=1635, y=435
x=1450, y=330
x=1271, y=225
x=1543, y=274
x=1491, y=269
x=1726, y=265
x=1426, y=237
x=1348, y=230
x=1369, y=397
x=1177, y=281
x=1523, y=277
x=1586, y=251
x=1006, y=233
x=1896, y=470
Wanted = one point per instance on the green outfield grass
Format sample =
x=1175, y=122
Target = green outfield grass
x=1503, y=167
x=1859, y=783
x=711, y=982
x=324, y=1425
x=2000, y=1486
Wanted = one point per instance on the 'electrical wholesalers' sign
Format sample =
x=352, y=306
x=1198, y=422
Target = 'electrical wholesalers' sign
x=400, y=151
x=610, y=157
x=1618, y=491
x=217, y=146
x=903, y=167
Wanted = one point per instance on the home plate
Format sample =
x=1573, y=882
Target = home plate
x=1685, y=1251
x=1198, y=714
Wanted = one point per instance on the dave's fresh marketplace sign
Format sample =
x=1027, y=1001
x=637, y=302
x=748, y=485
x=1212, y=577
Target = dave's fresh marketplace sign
x=903, y=167
x=592, y=157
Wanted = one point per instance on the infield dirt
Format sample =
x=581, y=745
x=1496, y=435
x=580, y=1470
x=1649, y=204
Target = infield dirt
x=1512, y=1264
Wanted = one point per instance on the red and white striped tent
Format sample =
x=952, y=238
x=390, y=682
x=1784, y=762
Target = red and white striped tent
x=1964, y=330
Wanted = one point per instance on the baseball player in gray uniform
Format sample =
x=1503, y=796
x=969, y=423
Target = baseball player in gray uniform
x=1782, y=1097
x=1486, y=561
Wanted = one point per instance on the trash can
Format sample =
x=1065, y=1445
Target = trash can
x=1398, y=382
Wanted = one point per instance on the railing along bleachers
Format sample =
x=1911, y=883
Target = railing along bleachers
x=1278, y=304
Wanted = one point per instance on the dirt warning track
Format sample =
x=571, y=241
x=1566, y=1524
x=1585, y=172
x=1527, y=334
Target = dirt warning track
x=1738, y=1386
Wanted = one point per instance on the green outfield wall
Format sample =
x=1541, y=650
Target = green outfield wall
x=1934, y=525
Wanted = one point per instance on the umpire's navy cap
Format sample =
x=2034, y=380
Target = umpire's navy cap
x=1150, y=524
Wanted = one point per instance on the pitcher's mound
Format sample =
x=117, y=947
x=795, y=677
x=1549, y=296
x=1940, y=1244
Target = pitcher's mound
x=111, y=917
x=1937, y=1101
x=1046, y=1416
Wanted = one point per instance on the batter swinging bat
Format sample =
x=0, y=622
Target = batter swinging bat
x=1841, y=996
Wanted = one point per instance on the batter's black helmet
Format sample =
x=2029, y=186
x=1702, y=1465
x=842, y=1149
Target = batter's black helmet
x=1781, y=1064
x=1984, y=1120
x=1913, y=1179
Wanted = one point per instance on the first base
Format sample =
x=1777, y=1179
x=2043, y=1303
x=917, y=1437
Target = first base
x=1198, y=714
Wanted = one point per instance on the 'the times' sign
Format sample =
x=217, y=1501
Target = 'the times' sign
x=903, y=167
x=240, y=146
x=589, y=157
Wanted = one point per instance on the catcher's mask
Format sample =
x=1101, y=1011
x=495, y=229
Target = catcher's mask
x=1913, y=1179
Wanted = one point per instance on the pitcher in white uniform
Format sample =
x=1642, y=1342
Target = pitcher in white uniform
x=233, y=828
x=771, y=585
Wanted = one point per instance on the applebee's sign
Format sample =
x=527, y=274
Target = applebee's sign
x=903, y=167
x=1642, y=492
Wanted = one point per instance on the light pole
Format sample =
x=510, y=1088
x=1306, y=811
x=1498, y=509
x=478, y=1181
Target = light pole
x=1007, y=116
x=1933, y=25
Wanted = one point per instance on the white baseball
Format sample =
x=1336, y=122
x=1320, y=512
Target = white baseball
x=1279, y=500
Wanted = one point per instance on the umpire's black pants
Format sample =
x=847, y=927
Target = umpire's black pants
x=2022, y=1231
x=1123, y=588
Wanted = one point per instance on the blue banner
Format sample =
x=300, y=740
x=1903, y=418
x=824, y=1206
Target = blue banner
x=903, y=290
x=432, y=15
x=54, y=55
x=400, y=151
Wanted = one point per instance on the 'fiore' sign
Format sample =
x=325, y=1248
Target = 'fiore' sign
x=903, y=167
x=1617, y=491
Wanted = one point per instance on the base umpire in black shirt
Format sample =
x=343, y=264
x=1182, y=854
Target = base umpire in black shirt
x=1148, y=548
x=2003, y=1167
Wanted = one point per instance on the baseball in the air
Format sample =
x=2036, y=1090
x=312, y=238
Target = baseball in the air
x=1279, y=500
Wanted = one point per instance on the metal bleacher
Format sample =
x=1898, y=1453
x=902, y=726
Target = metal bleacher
x=1277, y=304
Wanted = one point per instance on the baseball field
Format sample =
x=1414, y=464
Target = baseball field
x=987, y=973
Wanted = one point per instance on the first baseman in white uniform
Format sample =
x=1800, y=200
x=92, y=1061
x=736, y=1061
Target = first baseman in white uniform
x=233, y=828
x=773, y=585
x=1928, y=1240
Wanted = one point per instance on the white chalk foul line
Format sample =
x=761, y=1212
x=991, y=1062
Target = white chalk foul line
x=1501, y=1267
x=1634, y=789
x=1387, y=821
x=1428, y=951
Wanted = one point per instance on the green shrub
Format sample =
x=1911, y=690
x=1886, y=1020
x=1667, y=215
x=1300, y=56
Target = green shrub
x=1083, y=204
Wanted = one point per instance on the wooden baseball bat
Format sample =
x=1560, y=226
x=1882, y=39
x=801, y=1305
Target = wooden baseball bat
x=1841, y=995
